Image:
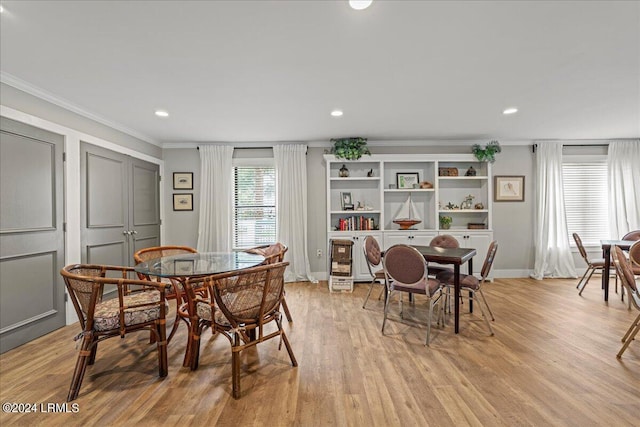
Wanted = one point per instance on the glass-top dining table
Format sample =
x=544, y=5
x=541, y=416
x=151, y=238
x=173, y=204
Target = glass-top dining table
x=185, y=266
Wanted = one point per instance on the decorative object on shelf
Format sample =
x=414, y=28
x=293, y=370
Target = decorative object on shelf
x=183, y=180
x=349, y=148
x=476, y=226
x=479, y=206
x=488, y=153
x=407, y=217
x=370, y=173
x=445, y=222
x=451, y=206
x=467, y=203
x=406, y=180
x=346, y=201
x=447, y=171
x=470, y=172
x=509, y=188
x=343, y=172
x=426, y=185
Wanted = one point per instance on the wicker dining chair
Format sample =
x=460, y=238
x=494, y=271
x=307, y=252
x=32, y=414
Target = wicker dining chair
x=406, y=272
x=244, y=302
x=373, y=257
x=174, y=289
x=473, y=285
x=139, y=306
x=623, y=269
x=272, y=254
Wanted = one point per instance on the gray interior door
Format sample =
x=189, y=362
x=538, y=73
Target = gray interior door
x=120, y=206
x=31, y=233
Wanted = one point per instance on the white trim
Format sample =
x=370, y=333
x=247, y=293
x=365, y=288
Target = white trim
x=19, y=84
x=72, y=208
x=511, y=273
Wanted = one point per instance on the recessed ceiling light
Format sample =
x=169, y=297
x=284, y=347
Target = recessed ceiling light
x=162, y=113
x=360, y=4
x=511, y=110
x=336, y=113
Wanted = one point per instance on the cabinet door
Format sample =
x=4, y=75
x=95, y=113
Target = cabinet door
x=478, y=240
x=360, y=269
x=408, y=238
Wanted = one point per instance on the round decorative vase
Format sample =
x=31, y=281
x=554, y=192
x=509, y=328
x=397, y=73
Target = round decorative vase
x=445, y=226
x=343, y=172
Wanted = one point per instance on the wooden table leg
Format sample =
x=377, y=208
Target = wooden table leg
x=470, y=271
x=456, y=293
x=606, y=253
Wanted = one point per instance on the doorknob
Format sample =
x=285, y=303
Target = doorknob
x=126, y=232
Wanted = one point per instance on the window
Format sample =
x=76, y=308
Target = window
x=586, y=198
x=254, y=216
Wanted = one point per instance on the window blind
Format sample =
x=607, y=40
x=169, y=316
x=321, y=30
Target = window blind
x=254, y=206
x=586, y=200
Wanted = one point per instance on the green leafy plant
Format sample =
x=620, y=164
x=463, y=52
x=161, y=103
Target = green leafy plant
x=349, y=148
x=445, y=222
x=488, y=153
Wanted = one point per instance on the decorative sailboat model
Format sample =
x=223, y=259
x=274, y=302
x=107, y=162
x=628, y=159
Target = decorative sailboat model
x=407, y=216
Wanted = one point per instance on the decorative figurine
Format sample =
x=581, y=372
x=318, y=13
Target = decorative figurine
x=479, y=206
x=468, y=202
x=343, y=172
x=470, y=172
x=370, y=173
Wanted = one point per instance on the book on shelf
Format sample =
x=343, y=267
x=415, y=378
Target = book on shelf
x=356, y=223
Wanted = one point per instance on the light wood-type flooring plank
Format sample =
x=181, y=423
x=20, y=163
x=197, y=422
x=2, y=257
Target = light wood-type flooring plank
x=551, y=362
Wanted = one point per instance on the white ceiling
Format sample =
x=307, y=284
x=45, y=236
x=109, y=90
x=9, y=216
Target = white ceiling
x=248, y=71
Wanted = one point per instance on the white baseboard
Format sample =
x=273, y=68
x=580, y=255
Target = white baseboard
x=511, y=273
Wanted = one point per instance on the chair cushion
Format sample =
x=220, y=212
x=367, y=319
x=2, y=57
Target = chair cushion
x=106, y=315
x=203, y=310
x=379, y=274
x=435, y=269
x=466, y=281
x=373, y=251
x=597, y=262
x=418, y=288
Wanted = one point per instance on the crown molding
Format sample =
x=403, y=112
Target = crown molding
x=24, y=86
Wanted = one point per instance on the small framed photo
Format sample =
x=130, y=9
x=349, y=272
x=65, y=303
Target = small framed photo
x=406, y=180
x=182, y=202
x=346, y=201
x=183, y=180
x=509, y=188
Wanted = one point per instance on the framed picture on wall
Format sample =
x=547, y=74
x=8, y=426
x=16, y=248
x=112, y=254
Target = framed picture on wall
x=183, y=180
x=182, y=202
x=509, y=188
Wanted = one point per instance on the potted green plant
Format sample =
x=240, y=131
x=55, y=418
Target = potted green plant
x=349, y=148
x=445, y=222
x=488, y=153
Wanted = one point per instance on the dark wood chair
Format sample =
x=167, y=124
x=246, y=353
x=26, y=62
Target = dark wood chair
x=406, y=272
x=139, y=306
x=174, y=289
x=623, y=269
x=473, y=285
x=243, y=303
x=373, y=256
x=272, y=254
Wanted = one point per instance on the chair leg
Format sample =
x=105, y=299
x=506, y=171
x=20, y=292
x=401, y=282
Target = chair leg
x=486, y=303
x=369, y=293
x=292, y=357
x=235, y=365
x=161, y=343
x=582, y=279
x=81, y=366
x=386, y=310
x=285, y=307
x=484, y=314
x=584, y=285
x=629, y=335
x=94, y=351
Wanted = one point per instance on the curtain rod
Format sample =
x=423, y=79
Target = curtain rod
x=247, y=148
x=534, y=146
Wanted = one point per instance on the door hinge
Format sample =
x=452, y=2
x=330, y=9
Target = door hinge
x=64, y=227
x=64, y=156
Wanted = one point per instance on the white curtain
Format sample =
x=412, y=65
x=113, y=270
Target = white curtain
x=216, y=198
x=552, y=254
x=291, y=185
x=623, y=164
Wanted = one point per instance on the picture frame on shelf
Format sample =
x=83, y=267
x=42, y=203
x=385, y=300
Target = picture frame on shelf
x=183, y=180
x=346, y=201
x=509, y=188
x=406, y=180
x=182, y=202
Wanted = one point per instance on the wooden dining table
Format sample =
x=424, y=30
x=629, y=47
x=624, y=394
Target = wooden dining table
x=606, y=254
x=455, y=257
x=185, y=266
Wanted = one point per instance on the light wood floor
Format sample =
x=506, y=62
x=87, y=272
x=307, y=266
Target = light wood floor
x=551, y=362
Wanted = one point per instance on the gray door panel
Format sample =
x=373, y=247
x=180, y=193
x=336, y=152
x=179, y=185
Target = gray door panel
x=31, y=233
x=120, y=206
